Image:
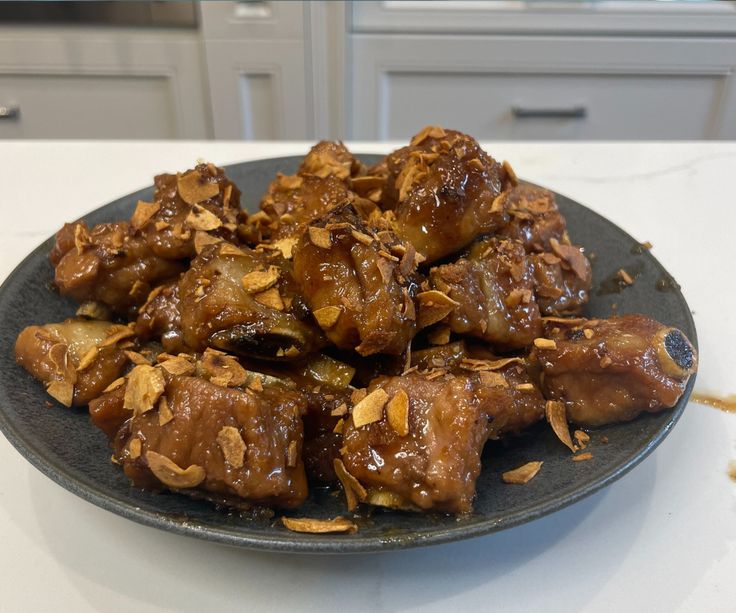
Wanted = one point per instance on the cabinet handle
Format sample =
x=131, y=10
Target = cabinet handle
x=9, y=112
x=570, y=112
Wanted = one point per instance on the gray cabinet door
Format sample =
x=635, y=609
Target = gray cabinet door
x=75, y=83
x=257, y=69
x=538, y=88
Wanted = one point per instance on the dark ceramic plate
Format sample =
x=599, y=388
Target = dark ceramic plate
x=64, y=445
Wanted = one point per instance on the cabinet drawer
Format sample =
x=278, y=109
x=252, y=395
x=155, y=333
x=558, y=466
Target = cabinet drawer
x=551, y=106
x=87, y=106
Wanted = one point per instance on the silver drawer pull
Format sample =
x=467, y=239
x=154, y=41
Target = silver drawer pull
x=570, y=112
x=9, y=112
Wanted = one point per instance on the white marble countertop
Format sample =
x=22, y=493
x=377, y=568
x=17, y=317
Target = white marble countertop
x=661, y=539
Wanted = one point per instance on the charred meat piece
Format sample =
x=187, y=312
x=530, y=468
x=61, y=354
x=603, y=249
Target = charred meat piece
x=493, y=289
x=201, y=200
x=608, y=371
x=359, y=283
x=108, y=264
x=534, y=218
x=245, y=302
x=423, y=450
x=76, y=359
x=562, y=279
x=442, y=189
x=209, y=436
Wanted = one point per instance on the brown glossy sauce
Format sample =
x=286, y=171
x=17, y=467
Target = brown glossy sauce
x=727, y=403
x=614, y=284
x=666, y=284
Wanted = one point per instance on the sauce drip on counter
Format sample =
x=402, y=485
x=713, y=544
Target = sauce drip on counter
x=727, y=404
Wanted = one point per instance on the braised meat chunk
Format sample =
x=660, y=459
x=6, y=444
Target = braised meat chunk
x=322, y=183
x=201, y=200
x=442, y=189
x=534, y=218
x=330, y=158
x=423, y=450
x=211, y=435
x=608, y=371
x=108, y=264
x=245, y=302
x=159, y=318
x=562, y=279
x=292, y=202
x=120, y=263
x=359, y=283
x=493, y=288
x=76, y=359
x=509, y=395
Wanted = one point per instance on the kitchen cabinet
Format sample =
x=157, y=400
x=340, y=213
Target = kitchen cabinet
x=277, y=69
x=269, y=70
x=69, y=82
x=520, y=71
x=257, y=69
x=535, y=88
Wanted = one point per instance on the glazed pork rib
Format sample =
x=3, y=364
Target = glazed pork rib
x=76, y=359
x=414, y=441
x=205, y=432
x=425, y=452
x=245, y=302
x=562, y=279
x=200, y=200
x=110, y=264
x=119, y=263
x=442, y=189
x=611, y=370
x=359, y=283
x=323, y=182
x=493, y=286
x=534, y=218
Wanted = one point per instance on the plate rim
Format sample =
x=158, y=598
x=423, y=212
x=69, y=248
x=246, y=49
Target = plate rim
x=332, y=544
